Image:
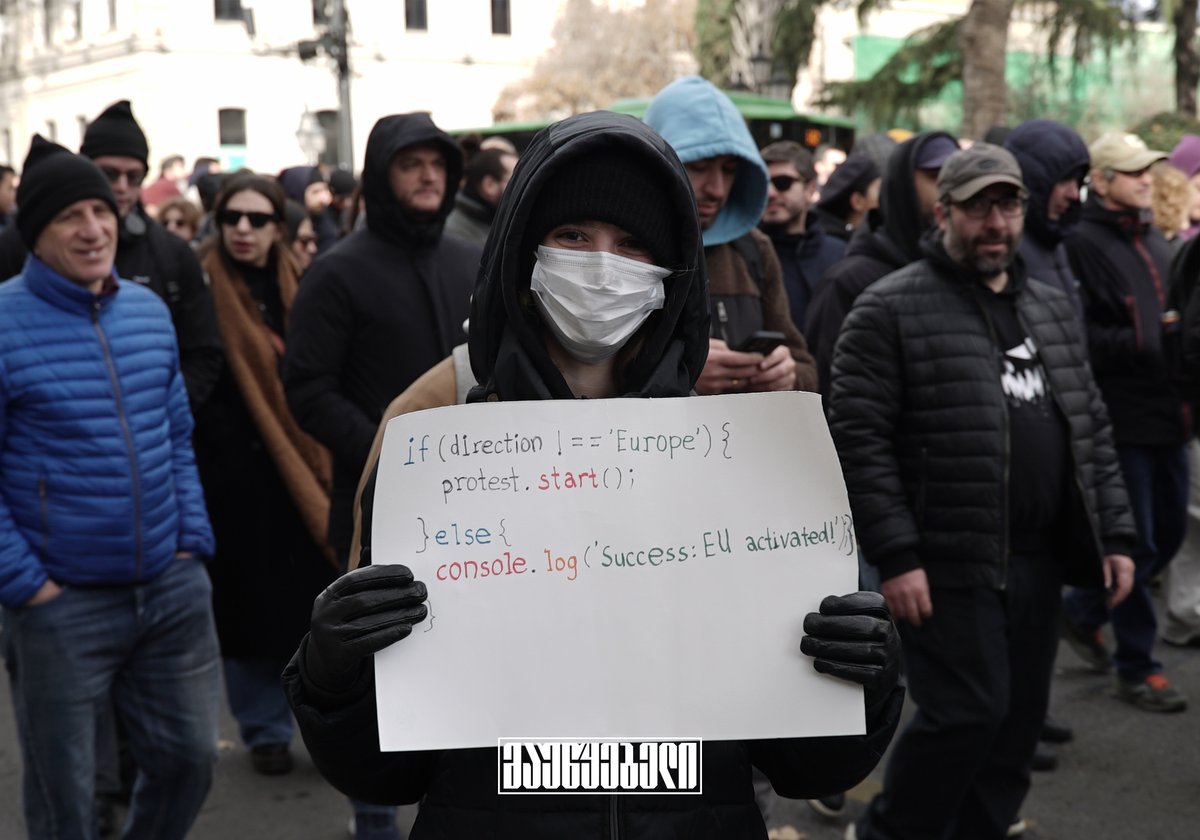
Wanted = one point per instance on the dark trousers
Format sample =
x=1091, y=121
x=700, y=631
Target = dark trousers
x=979, y=671
x=1156, y=478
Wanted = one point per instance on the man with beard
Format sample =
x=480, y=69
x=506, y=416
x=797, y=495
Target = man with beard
x=381, y=307
x=803, y=248
x=981, y=471
x=1122, y=262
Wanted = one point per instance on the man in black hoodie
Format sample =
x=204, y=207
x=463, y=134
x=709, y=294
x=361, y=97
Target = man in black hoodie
x=888, y=242
x=1122, y=262
x=384, y=305
x=1054, y=162
x=381, y=307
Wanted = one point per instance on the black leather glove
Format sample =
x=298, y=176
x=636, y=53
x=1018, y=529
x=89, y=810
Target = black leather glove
x=853, y=638
x=357, y=615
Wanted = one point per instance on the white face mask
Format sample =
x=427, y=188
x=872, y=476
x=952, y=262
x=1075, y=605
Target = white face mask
x=593, y=301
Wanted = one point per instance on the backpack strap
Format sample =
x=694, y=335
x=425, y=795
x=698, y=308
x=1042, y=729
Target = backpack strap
x=464, y=377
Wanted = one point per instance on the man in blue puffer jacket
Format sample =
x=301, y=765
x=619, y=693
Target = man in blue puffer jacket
x=102, y=520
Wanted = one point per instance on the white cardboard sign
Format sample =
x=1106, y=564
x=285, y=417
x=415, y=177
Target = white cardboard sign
x=613, y=568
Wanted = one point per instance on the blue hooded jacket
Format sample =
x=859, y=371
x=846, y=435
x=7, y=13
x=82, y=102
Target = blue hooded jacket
x=699, y=121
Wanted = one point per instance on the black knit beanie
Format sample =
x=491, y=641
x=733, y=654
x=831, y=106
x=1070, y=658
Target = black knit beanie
x=611, y=187
x=115, y=132
x=52, y=179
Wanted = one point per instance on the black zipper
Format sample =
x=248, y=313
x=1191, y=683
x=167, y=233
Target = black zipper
x=998, y=357
x=614, y=817
x=923, y=483
x=133, y=468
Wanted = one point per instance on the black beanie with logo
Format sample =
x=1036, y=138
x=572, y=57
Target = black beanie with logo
x=52, y=179
x=116, y=132
x=613, y=187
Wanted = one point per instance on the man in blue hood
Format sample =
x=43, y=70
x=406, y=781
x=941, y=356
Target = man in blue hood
x=729, y=180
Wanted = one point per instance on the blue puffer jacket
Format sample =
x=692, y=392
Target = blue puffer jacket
x=98, y=483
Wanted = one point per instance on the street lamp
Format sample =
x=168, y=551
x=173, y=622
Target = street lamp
x=780, y=86
x=760, y=67
x=311, y=137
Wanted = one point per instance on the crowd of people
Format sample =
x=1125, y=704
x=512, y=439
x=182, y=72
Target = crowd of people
x=194, y=374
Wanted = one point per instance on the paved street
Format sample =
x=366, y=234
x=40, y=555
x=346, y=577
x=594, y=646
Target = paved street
x=1129, y=774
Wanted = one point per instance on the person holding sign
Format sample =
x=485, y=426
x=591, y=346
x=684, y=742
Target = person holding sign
x=598, y=201
x=979, y=459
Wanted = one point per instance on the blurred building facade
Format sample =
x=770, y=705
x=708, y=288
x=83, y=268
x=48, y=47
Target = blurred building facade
x=225, y=78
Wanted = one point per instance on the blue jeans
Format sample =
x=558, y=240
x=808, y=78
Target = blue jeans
x=152, y=648
x=1156, y=478
x=257, y=702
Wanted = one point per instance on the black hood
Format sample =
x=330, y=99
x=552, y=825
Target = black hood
x=1048, y=152
x=508, y=354
x=898, y=198
x=385, y=216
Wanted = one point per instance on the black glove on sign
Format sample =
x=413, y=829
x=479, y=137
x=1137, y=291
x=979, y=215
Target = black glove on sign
x=853, y=637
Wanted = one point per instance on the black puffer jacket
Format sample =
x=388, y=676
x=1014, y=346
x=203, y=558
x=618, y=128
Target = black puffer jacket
x=889, y=240
x=376, y=311
x=457, y=788
x=921, y=425
x=1123, y=265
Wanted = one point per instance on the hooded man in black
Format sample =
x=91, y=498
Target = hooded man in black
x=146, y=253
x=1054, y=163
x=383, y=305
x=515, y=357
x=377, y=310
x=889, y=241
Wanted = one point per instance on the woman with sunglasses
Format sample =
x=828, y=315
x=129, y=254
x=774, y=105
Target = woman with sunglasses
x=266, y=482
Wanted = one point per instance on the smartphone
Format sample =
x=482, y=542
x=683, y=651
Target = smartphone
x=762, y=341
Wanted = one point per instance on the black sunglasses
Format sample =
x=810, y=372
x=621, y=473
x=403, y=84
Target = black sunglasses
x=232, y=218
x=133, y=177
x=783, y=183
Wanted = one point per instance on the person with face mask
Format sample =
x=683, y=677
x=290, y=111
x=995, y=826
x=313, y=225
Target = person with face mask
x=599, y=207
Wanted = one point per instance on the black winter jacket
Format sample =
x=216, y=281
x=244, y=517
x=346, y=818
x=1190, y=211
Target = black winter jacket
x=889, y=240
x=1123, y=265
x=1049, y=152
x=151, y=256
x=457, y=788
x=921, y=425
x=383, y=306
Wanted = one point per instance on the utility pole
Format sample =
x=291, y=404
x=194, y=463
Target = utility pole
x=339, y=49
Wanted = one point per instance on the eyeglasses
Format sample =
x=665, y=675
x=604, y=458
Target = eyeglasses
x=783, y=183
x=980, y=207
x=232, y=218
x=133, y=177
